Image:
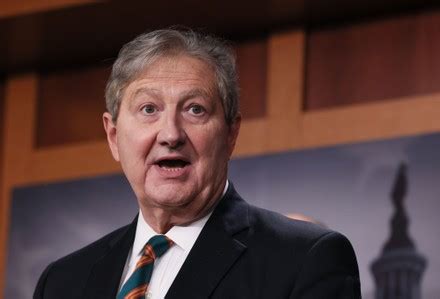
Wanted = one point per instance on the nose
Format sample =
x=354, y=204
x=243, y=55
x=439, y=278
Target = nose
x=171, y=133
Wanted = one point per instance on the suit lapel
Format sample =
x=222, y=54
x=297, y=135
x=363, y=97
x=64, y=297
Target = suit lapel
x=106, y=274
x=215, y=250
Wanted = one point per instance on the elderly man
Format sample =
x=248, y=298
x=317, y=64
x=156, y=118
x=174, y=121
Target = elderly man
x=172, y=123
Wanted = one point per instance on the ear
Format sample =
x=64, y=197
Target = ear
x=110, y=130
x=233, y=133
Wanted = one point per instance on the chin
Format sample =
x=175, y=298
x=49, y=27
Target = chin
x=171, y=199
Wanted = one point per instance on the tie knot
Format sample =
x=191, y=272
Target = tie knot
x=157, y=246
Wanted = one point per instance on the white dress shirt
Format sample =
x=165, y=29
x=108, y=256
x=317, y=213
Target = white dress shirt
x=168, y=265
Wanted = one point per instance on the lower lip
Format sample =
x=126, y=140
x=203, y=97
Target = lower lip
x=172, y=173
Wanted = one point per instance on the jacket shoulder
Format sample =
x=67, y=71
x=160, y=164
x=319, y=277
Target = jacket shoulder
x=307, y=247
x=70, y=273
x=295, y=238
x=276, y=225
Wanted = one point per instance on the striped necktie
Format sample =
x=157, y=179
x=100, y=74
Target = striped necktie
x=136, y=286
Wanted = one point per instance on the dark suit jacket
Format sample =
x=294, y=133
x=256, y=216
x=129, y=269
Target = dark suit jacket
x=242, y=252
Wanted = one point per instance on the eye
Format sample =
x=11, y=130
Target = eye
x=149, y=109
x=196, y=109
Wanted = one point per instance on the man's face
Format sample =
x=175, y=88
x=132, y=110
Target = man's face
x=171, y=137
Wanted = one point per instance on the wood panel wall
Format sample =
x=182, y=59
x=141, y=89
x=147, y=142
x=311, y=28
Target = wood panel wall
x=15, y=8
x=2, y=118
x=70, y=105
x=373, y=61
x=252, y=69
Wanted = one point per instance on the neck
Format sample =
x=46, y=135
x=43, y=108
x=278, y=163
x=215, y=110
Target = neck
x=162, y=219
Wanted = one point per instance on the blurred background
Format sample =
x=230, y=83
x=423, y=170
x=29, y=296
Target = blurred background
x=314, y=76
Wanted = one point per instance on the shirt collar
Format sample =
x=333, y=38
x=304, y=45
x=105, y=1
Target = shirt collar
x=183, y=236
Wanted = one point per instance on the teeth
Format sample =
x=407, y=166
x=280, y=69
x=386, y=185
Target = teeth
x=171, y=168
x=172, y=164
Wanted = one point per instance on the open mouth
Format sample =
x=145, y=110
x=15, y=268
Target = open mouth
x=172, y=164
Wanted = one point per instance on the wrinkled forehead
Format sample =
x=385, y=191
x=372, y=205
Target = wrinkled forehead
x=179, y=63
x=179, y=69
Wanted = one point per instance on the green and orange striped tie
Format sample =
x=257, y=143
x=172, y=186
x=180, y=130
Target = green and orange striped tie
x=136, y=286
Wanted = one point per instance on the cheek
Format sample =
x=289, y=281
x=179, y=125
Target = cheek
x=212, y=148
x=135, y=146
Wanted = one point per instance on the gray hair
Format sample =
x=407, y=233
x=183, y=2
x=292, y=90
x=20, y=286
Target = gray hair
x=141, y=52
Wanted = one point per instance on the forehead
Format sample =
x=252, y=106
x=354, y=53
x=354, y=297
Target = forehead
x=178, y=69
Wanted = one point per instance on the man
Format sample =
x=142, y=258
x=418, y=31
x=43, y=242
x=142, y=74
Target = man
x=172, y=123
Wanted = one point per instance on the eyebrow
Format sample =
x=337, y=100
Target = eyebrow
x=146, y=90
x=195, y=93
